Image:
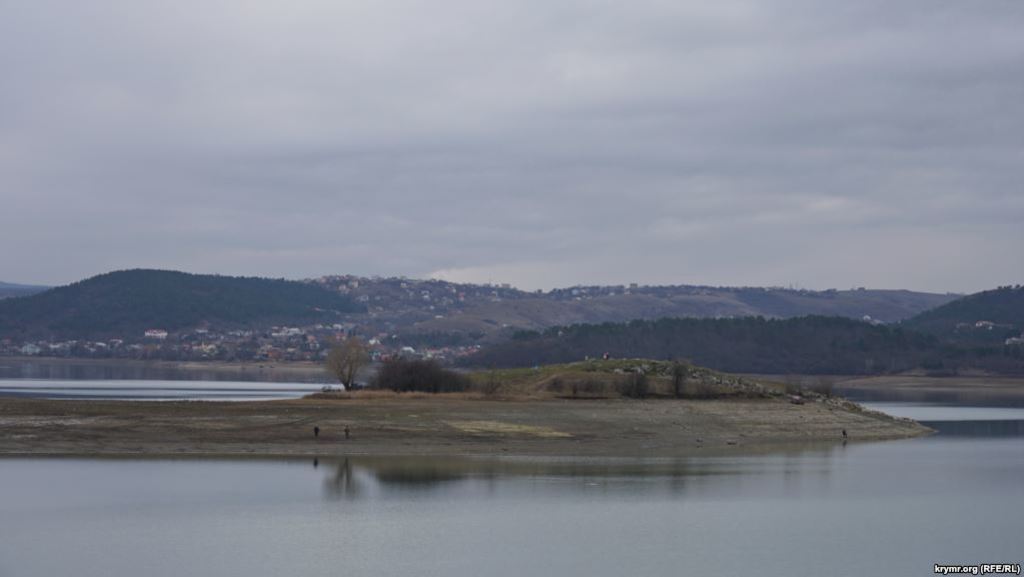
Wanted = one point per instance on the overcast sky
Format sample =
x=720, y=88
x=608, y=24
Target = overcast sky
x=541, y=143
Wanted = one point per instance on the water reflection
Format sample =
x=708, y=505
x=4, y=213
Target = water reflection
x=357, y=477
x=114, y=370
x=959, y=397
x=989, y=428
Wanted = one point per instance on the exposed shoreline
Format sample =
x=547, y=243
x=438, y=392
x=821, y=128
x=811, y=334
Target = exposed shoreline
x=439, y=425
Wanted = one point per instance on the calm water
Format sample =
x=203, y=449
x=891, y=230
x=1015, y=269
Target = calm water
x=153, y=390
x=892, y=508
x=68, y=379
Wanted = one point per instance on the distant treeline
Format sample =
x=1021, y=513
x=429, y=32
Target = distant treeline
x=807, y=345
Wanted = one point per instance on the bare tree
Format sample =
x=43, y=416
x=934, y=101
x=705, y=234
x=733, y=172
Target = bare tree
x=680, y=375
x=345, y=359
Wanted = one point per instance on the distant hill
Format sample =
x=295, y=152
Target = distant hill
x=436, y=310
x=126, y=303
x=9, y=290
x=806, y=345
x=600, y=304
x=419, y=313
x=989, y=316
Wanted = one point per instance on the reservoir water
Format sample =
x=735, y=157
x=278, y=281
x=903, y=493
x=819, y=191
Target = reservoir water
x=153, y=390
x=85, y=379
x=890, y=508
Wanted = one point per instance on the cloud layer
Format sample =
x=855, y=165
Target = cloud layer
x=539, y=143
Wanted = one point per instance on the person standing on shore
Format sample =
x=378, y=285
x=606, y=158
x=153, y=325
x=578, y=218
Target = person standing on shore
x=316, y=432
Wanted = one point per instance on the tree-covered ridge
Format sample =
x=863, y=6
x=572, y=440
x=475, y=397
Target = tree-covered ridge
x=126, y=303
x=809, y=345
x=991, y=315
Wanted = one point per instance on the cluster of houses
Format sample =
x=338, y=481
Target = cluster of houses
x=982, y=326
x=279, y=343
x=402, y=296
x=992, y=326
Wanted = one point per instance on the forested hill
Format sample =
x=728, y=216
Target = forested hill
x=808, y=345
x=989, y=316
x=126, y=303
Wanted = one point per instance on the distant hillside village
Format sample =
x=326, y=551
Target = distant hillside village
x=279, y=343
x=310, y=343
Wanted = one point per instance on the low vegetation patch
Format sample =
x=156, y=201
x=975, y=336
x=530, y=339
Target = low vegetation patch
x=426, y=376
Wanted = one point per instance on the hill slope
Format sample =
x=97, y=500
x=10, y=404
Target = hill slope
x=539, y=312
x=435, y=307
x=989, y=316
x=126, y=303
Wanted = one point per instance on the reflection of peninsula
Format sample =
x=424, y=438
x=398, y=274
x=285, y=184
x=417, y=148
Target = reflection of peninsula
x=356, y=477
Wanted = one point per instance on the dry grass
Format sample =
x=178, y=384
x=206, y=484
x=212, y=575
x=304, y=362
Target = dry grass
x=503, y=428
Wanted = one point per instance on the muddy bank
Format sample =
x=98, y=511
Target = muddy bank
x=433, y=425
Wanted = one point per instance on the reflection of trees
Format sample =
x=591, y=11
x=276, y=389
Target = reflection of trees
x=343, y=482
x=414, y=477
x=356, y=477
x=351, y=476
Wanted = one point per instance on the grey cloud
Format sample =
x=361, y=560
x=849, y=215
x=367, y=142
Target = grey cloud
x=539, y=143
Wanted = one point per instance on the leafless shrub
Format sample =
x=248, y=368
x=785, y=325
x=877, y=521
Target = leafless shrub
x=425, y=376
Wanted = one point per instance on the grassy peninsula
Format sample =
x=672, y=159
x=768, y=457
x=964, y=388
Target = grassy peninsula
x=580, y=409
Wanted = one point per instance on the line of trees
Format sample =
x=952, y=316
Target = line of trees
x=804, y=345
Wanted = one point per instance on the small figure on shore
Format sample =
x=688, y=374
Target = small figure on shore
x=316, y=462
x=346, y=431
x=316, y=431
x=844, y=434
